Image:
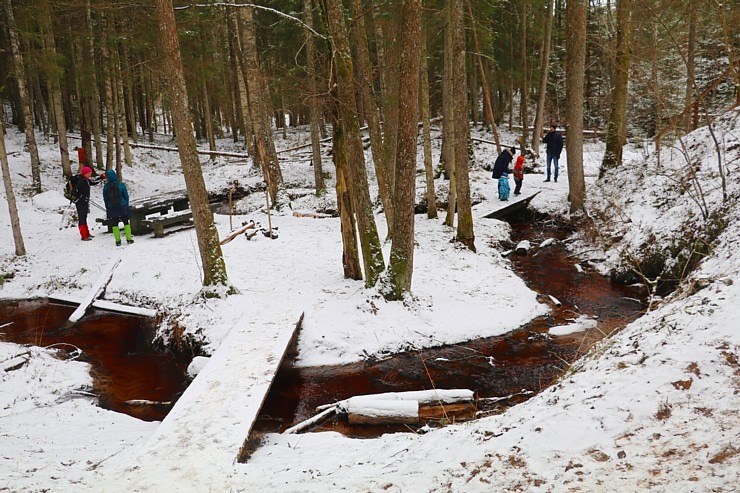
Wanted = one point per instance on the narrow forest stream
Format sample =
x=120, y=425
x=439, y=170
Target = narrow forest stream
x=132, y=376
x=517, y=364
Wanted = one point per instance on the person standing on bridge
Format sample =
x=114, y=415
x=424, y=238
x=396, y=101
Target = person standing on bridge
x=115, y=196
x=554, y=144
x=501, y=172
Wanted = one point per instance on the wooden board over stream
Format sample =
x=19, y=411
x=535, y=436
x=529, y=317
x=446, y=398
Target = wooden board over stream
x=199, y=441
x=510, y=207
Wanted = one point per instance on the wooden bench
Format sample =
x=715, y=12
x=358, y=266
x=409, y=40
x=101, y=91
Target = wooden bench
x=158, y=223
x=157, y=204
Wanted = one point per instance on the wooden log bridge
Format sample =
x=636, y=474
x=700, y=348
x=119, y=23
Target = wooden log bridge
x=510, y=208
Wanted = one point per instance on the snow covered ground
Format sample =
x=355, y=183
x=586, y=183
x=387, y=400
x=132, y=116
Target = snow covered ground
x=653, y=408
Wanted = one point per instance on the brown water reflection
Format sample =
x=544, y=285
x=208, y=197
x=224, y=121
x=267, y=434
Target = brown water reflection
x=527, y=358
x=125, y=365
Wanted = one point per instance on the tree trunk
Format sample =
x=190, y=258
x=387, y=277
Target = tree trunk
x=214, y=267
x=544, y=69
x=364, y=70
x=121, y=113
x=465, y=233
x=575, y=67
x=401, y=262
x=690, y=64
x=425, y=115
x=93, y=101
x=389, y=95
x=15, y=223
x=20, y=74
x=263, y=143
x=448, y=121
x=372, y=255
x=108, y=83
x=313, y=102
x=236, y=53
x=55, y=94
x=350, y=254
x=488, y=107
x=616, y=130
x=209, y=120
x=523, y=106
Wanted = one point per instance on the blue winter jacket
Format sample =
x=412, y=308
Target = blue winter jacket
x=113, y=211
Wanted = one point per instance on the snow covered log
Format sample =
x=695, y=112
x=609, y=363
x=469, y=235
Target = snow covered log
x=382, y=411
x=522, y=247
x=423, y=397
x=310, y=421
x=97, y=288
x=238, y=231
x=16, y=362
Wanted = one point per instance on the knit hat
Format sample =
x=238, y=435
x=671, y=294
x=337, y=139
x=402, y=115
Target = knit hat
x=86, y=170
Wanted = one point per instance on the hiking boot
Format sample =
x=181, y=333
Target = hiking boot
x=556, y=180
x=128, y=242
x=89, y=238
x=118, y=243
x=547, y=180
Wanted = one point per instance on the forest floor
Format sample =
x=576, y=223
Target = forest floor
x=654, y=406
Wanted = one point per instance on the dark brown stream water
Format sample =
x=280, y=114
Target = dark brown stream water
x=527, y=358
x=125, y=365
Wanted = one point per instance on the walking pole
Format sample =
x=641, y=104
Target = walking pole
x=231, y=225
x=269, y=218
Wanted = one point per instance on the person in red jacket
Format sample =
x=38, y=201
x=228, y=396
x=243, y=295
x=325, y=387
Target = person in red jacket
x=518, y=174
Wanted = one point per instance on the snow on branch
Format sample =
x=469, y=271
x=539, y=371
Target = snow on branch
x=251, y=5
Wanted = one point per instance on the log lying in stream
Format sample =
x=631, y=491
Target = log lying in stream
x=390, y=407
x=382, y=411
x=97, y=288
x=522, y=248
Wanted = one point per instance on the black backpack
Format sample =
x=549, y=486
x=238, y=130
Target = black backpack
x=70, y=188
x=113, y=194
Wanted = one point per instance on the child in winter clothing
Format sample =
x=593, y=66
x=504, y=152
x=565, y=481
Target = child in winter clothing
x=115, y=196
x=501, y=171
x=82, y=204
x=518, y=174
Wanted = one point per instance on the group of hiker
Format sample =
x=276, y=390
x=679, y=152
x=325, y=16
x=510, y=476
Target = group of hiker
x=553, y=141
x=115, y=198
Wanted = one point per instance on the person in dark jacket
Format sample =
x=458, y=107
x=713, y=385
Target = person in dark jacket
x=82, y=203
x=115, y=196
x=501, y=172
x=554, y=143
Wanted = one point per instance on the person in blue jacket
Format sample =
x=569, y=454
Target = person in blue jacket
x=115, y=196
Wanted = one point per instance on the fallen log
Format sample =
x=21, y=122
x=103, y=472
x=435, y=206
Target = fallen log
x=16, y=362
x=97, y=288
x=423, y=397
x=310, y=421
x=237, y=232
x=382, y=411
x=315, y=215
x=522, y=247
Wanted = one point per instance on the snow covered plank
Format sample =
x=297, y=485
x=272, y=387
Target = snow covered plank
x=510, y=207
x=199, y=441
x=94, y=292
